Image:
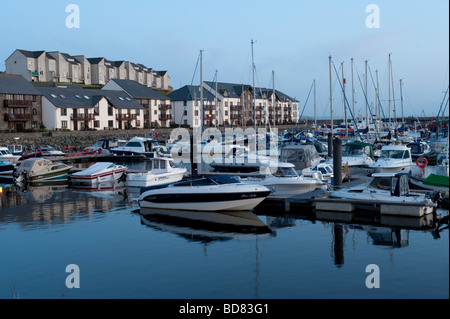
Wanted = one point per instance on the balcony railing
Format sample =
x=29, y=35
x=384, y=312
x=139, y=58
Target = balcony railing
x=17, y=103
x=165, y=107
x=18, y=117
x=126, y=117
x=82, y=117
x=165, y=117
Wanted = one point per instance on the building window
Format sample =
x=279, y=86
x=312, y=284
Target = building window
x=64, y=124
x=34, y=124
x=110, y=123
x=110, y=110
x=63, y=112
x=35, y=112
x=96, y=123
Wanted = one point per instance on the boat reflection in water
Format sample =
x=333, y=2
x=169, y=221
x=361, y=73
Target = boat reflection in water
x=107, y=190
x=205, y=226
x=41, y=192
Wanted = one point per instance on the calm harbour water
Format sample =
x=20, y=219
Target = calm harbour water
x=121, y=254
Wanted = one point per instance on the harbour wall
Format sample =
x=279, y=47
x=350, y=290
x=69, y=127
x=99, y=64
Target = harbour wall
x=82, y=139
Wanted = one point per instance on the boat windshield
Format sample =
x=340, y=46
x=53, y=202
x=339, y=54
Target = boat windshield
x=394, y=154
x=352, y=150
x=381, y=183
x=285, y=172
x=5, y=152
x=27, y=164
x=325, y=170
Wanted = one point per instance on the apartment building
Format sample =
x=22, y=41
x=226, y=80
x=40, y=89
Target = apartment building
x=157, y=107
x=229, y=104
x=42, y=66
x=20, y=104
x=84, y=109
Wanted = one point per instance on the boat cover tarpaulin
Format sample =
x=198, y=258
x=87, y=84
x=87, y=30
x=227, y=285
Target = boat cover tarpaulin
x=437, y=180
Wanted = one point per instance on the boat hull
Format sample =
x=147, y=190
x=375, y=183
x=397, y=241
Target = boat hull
x=57, y=175
x=131, y=153
x=288, y=187
x=6, y=169
x=212, y=199
x=392, y=169
x=148, y=179
x=97, y=179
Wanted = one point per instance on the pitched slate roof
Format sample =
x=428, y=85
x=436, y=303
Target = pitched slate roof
x=95, y=60
x=85, y=98
x=31, y=54
x=16, y=84
x=139, y=91
x=190, y=92
x=235, y=90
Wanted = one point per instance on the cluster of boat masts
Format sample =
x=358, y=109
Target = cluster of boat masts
x=237, y=179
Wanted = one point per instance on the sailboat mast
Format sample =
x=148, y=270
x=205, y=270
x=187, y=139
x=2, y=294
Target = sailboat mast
x=401, y=99
x=201, y=88
x=215, y=104
x=254, y=89
x=343, y=101
x=353, y=91
x=273, y=98
x=367, y=99
x=315, y=107
x=331, y=97
x=389, y=92
x=378, y=106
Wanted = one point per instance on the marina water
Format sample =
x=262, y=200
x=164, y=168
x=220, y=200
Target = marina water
x=121, y=254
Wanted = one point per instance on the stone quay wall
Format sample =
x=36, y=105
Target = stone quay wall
x=82, y=139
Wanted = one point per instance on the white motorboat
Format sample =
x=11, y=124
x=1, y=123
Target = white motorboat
x=6, y=155
x=218, y=193
x=40, y=169
x=301, y=155
x=422, y=149
x=322, y=171
x=49, y=151
x=391, y=192
x=137, y=146
x=239, y=159
x=394, y=159
x=163, y=172
x=283, y=180
x=104, y=145
x=16, y=149
x=98, y=173
x=358, y=156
